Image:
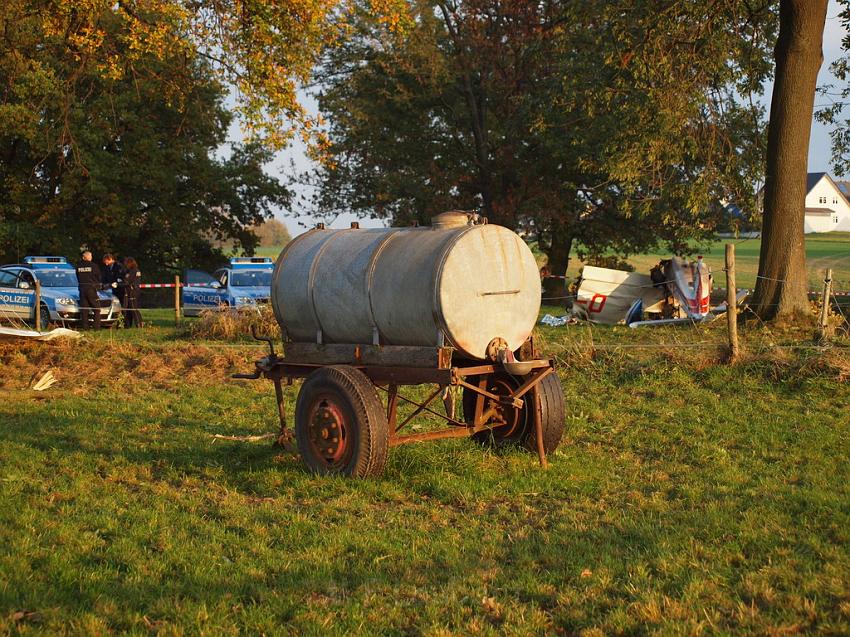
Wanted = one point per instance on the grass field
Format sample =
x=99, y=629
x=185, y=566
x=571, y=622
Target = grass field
x=688, y=497
x=829, y=250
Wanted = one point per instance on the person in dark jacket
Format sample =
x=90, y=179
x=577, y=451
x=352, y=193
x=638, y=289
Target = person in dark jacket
x=89, y=282
x=113, y=276
x=132, y=281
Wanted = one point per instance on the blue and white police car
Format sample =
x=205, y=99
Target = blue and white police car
x=60, y=296
x=244, y=284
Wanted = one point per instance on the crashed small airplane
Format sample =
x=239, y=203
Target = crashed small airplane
x=675, y=291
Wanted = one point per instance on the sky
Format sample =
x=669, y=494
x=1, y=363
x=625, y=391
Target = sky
x=819, y=144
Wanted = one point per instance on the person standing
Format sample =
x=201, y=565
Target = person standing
x=88, y=282
x=132, y=281
x=113, y=276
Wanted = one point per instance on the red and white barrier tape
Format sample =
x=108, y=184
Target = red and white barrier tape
x=548, y=276
x=171, y=285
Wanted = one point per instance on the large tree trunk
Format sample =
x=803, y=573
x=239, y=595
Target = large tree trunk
x=782, y=284
x=555, y=288
x=475, y=104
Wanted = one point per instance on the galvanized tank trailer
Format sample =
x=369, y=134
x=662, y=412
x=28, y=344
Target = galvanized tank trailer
x=363, y=311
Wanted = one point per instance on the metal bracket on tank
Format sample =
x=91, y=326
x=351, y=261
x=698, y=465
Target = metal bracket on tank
x=318, y=337
x=441, y=339
x=376, y=336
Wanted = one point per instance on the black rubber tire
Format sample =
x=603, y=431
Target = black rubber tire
x=353, y=395
x=551, y=406
x=45, y=317
x=553, y=414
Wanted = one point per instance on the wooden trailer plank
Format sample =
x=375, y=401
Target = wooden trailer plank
x=371, y=355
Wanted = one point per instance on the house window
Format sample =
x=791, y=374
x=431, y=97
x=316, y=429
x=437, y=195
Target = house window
x=834, y=200
x=821, y=199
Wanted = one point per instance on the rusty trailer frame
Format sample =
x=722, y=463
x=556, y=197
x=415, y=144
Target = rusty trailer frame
x=383, y=366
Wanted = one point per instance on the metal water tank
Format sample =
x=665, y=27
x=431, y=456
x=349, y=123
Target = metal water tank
x=454, y=283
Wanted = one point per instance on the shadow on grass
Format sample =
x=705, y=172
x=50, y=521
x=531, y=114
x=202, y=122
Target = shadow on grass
x=176, y=446
x=617, y=523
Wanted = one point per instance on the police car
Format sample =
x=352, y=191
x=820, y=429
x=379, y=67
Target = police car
x=243, y=285
x=60, y=295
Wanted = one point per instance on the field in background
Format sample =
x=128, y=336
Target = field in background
x=269, y=252
x=687, y=497
x=829, y=250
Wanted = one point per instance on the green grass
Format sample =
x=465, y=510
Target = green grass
x=687, y=497
x=269, y=251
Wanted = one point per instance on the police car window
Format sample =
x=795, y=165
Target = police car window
x=27, y=278
x=251, y=278
x=199, y=278
x=7, y=279
x=57, y=278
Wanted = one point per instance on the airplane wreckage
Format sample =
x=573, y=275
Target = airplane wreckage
x=675, y=291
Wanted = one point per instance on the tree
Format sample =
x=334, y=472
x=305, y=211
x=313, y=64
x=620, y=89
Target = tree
x=260, y=49
x=782, y=281
x=121, y=164
x=69, y=67
x=614, y=126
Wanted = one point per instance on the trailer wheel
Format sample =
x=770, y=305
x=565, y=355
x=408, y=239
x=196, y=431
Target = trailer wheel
x=340, y=423
x=553, y=415
x=516, y=426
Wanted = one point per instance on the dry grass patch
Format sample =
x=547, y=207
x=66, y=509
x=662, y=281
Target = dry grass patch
x=230, y=324
x=84, y=365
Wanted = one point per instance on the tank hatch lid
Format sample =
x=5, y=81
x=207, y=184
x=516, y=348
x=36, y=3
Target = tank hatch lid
x=450, y=219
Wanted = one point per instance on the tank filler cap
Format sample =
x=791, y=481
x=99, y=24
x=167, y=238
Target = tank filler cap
x=498, y=352
x=496, y=348
x=450, y=219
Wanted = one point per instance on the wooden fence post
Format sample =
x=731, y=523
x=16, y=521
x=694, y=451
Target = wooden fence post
x=731, y=303
x=177, y=296
x=823, y=326
x=38, y=305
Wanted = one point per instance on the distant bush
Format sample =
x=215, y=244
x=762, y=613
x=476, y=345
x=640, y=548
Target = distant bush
x=272, y=233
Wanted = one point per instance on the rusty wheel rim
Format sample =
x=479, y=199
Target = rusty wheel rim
x=506, y=420
x=327, y=430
